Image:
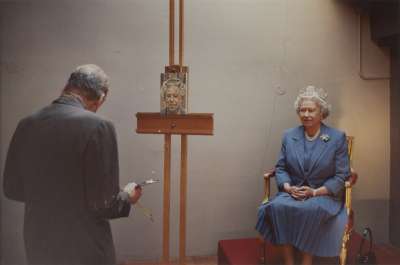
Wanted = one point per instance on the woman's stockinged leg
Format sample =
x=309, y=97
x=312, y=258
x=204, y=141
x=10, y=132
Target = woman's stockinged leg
x=288, y=254
x=306, y=258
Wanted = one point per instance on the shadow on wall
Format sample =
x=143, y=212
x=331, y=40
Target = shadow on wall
x=372, y=213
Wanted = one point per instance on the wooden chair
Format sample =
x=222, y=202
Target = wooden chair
x=347, y=201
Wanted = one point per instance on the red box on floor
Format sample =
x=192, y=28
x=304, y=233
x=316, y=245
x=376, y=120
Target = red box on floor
x=247, y=251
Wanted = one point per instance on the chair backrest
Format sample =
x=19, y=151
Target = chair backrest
x=350, y=142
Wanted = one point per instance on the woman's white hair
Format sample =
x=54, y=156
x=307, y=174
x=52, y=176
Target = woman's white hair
x=318, y=95
x=173, y=82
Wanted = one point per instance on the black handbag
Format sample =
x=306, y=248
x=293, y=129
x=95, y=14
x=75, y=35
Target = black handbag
x=366, y=257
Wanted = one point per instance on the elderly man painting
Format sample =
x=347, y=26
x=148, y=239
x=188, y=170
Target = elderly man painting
x=63, y=164
x=307, y=213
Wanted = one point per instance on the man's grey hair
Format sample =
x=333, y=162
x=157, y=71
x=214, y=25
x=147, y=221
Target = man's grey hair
x=318, y=95
x=90, y=79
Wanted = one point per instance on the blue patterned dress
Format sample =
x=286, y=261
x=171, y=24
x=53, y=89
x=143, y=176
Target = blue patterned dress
x=316, y=225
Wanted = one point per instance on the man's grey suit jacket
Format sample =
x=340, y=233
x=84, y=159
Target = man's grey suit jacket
x=62, y=163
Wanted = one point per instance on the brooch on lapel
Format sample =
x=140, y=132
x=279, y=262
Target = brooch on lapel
x=325, y=137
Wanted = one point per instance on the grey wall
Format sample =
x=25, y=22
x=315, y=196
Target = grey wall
x=242, y=54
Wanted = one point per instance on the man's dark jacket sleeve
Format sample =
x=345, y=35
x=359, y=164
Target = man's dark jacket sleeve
x=101, y=173
x=13, y=183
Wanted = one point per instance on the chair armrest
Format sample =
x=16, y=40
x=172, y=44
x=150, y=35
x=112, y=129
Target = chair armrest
x=348, y=185
x=352, y=178
x=267, y=185
x=269, y=174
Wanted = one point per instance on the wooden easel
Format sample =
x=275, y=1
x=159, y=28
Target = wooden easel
x=184, y=125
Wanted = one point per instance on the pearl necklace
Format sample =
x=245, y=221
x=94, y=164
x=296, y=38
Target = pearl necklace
x=312, y=138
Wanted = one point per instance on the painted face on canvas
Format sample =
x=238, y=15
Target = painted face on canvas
x=310, y=113
x=173, y=99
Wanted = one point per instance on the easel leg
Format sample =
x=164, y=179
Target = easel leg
x=183, y=192
x=166, y=201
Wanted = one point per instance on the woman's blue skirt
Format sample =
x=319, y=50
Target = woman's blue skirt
x=314, y=226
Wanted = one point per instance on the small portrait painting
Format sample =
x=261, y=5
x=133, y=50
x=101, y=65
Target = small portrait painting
x=173, y=94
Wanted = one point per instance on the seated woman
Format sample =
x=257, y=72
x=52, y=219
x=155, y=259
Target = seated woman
x=308, y=213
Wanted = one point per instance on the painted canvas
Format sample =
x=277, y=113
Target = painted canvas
x=174, y=93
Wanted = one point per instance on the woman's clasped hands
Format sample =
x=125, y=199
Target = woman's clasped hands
x=299, y=193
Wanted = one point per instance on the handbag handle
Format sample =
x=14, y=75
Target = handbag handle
x=367, y=232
